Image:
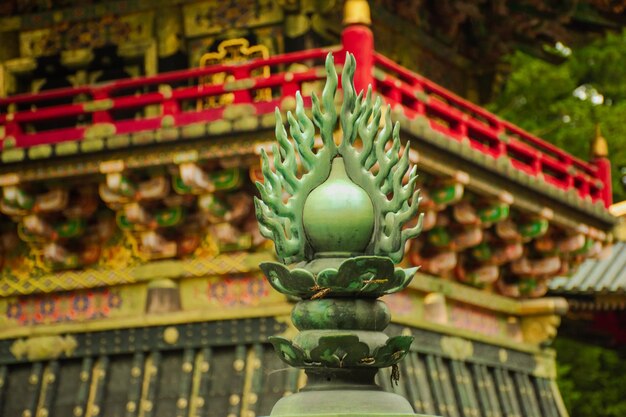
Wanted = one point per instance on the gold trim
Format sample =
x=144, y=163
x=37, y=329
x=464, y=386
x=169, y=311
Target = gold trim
x=251, y=360
x=456, y=347
x=599, y=146
x=194, y=398
x=283, y=309
x=233, y=51
x=145, y=386
x=47, y=379
x=99, y=130
x=228, y=263
x=545, y=365
x=111, y=167
x=463, y=293
x=466, y=334
x=238, y=365
x=97, y=374
x=618, y=209
x=98, y=105
x=540, y=328
x=186, y=156
x=170, y=335
x=540, y=306
x=217, y=149
x=3, y=82
x=356, y=12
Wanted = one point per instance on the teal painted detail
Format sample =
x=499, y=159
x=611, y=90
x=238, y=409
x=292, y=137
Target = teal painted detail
x=494, y=213
x=534, y=229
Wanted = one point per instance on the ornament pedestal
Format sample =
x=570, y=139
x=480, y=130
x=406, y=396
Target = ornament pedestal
x=331, y=391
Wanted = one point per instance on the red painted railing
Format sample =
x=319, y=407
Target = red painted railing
x=464, y=121
x=121, y=105
x=106, y=101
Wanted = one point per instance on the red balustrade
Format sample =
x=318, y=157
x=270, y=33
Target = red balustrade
x=134, y=95
x=447, y=113
x=462, y=120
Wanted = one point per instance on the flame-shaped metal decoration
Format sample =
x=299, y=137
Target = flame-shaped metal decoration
x=338, y=212
x=377, y=166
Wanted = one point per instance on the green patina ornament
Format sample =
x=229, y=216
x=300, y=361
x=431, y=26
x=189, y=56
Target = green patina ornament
x=365, y=277
x=363, y=205
x=338, y=213
x=343, y=351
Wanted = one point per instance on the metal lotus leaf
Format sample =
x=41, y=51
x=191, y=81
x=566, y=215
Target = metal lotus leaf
x=365, y=276
x=342, y=351
x=339, y=351
x=372, y=158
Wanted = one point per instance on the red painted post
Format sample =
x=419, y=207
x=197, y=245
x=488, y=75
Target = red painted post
x=599, y=153
x=603, y=165
x=169, y=106
x=242, y=95
x=358, y=39
x=101, y=116
x=12, y=129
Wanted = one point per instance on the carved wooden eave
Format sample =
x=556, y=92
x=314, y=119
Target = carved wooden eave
x=464, y=157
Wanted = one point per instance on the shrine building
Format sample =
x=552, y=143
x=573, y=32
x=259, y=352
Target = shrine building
x=130, y=143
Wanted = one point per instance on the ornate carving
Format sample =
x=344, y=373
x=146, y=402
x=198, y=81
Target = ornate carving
x=87, y=34
x=44, y=347
x=215, y=16
x=540, y=329
x=233, y=51
x=52, y=221
x=457, y=348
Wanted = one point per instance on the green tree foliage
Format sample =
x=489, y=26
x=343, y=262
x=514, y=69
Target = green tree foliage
x=562, y=103
x=591, y=379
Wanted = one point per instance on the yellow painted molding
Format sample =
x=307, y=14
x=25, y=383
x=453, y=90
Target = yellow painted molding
x=179, y=317
x=542, y=306
x=275, y=310
x=467, y=334
x=468, y=295
x=227, y=263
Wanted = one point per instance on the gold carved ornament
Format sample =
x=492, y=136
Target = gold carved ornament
x=232, y=51
x=44, y=347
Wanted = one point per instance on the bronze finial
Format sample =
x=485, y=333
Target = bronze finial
x=599, y=147
x=356, y=12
